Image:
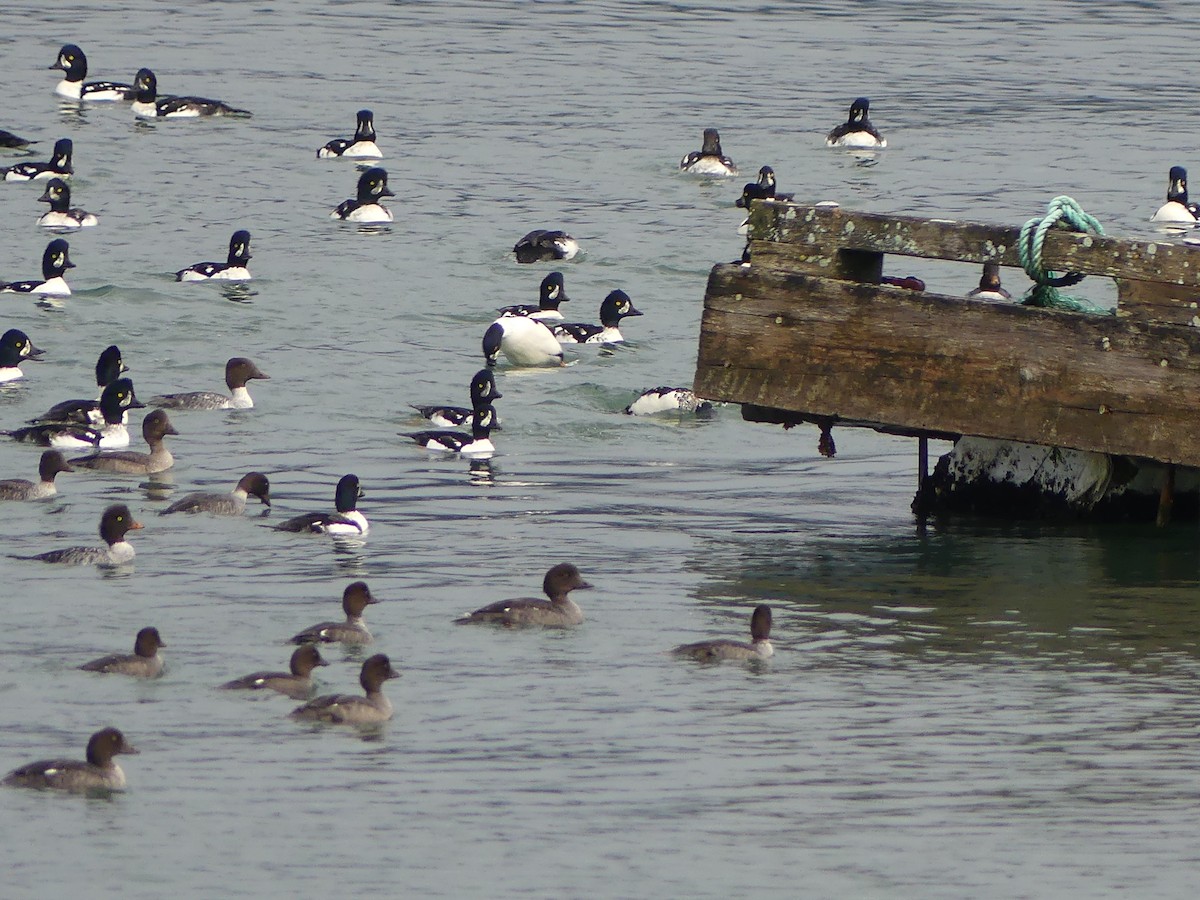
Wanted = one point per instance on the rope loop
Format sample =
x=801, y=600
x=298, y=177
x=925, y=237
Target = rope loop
x=1064, y=213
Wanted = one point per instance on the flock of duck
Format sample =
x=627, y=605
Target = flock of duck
x=527, y=335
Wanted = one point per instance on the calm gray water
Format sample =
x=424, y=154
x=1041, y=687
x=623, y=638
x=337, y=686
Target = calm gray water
x=980, y=710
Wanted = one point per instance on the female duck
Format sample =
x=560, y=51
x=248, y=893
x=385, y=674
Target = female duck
x=97, y=773
x=296, y=684
x=252, y=484
x=758, y=648
x=366, y=208
x=148, y=105
x=708, y=160
x=355, y=599
x=59, y=165
x=350, y=709
x=116, y=522
x=559, y=611
x=238, y=371
x=51, y=463
x=233, y=269
x=857, y=131
x=346, y=520
x=989, y=285
x=144, y=662
x=61, y=215
x=615, y=307
x=361, y=146
x=73, y=64
x=15, y=348
x=155, y=427
x=55, y=262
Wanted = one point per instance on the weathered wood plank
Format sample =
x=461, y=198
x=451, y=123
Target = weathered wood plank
x=1151, y=301
x=933, y=363
x=811, y=235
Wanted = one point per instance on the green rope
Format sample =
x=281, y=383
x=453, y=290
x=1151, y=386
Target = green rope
x=1065, y=213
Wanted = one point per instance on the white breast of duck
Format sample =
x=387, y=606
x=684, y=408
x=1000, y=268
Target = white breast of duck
x=366, y=208
x=856, y=132
x=1177, y=210
x=666, y=399
x=709, y=160
x=523, y=341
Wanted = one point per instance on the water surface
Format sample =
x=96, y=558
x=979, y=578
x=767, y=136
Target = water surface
x=976, y=709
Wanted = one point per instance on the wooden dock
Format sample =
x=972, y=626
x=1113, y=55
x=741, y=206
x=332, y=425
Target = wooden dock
x=807, y=333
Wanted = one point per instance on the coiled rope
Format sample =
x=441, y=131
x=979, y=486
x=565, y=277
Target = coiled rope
x=1064, y=213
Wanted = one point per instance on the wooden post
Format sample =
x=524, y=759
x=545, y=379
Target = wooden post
x=1167, y=498
x=920, y=503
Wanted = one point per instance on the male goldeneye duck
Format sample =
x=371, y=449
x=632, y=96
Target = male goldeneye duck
x=109, y=367
x=15, y=348
x=542, y=244
x=144, y=662
x=550, y=293
x=73, y=64
x=61, y=215
x=989, y=285
x=758, y=648
x=296, y=684
x=477, y=443
x=708, y=160
x=346, y=520
x=115, y=402
x=361, y=146
x=355, y=599
x=667, y=399
x=1177, y=209
x=615, y=307
x=58, y=166
x=155, y=427
x=350, y=709
x=238, y=371
x=116, y=522
x=233, y=269
x=10, y=141
x=51, y=463
x=97, y=773
x=763, y=189
x=523, y=341
x=483, y=392
x=148, y=105
x=55, y=262
x=559, y=611
x=857, y=130
x=372, y=187
x=252, y=484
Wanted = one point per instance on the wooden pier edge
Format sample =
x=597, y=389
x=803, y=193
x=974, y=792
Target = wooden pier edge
x=804, y=333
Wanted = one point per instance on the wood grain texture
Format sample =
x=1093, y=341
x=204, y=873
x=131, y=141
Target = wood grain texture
x=918, y=362
x=815, y=234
